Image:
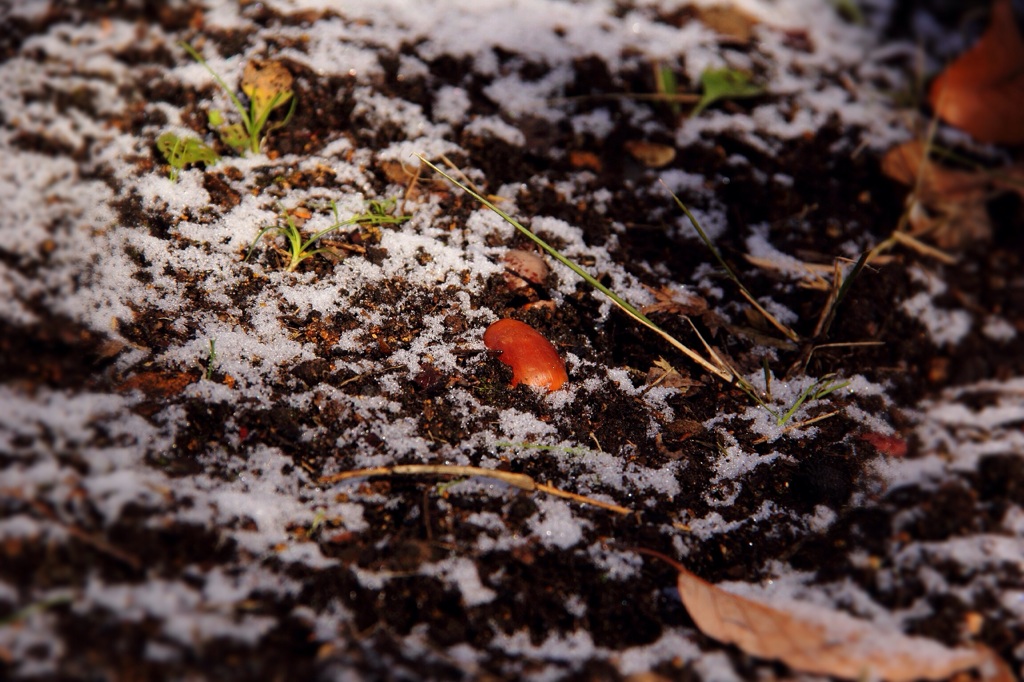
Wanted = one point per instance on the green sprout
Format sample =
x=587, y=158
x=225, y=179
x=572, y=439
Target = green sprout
x=714, y=364
x=666, y=84
x=211, y=359
x=42, y=605
x=725, y=84
x=299, y=250
x=268, y=85
x=816, y=391
x=182, y=151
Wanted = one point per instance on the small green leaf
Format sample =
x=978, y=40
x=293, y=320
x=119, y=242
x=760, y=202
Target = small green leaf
x=850, y=11
x=234, y=136
x=725, y=84
x=182, y=151
x=216, y=118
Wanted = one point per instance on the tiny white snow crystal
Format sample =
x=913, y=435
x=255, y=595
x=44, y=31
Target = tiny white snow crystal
x=451, y=104
x=555, y=526
x=998, y=329
x=945, y=327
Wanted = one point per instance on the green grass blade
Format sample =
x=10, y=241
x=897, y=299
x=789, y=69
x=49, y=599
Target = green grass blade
x=789, y=333
x=252, y=247
x=723, y=372
x=555, y=253
x=237, y=103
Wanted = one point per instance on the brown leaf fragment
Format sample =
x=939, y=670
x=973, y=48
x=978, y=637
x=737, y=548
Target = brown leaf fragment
x=157, y=383
x=675, y=302
x=586, y=160
x=982, y=91
x=947, y=205
x=907, y=163
x=819, y=641
x=651, y=154
x=662, y=373
x=728, y=21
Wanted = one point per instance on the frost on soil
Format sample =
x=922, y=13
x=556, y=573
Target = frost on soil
x=171, y=497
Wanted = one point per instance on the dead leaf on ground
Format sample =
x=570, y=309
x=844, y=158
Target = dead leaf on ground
x=675, y=302
x=651, y=154
x=947, y=205
x=728, y=21
x=982, y=92
x=581, y=158
x=412, y=178
x=268, y=84
x=662, y=373
x=157, y=383
x=816, y=640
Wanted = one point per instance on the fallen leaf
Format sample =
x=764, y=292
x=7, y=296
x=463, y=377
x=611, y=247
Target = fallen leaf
x=156, y=383
x=675, y=302
x=982, y=91
x=662, y=373
x=816, y=640
x=947, y=205
x=268, y=84
x=651, y=154
x=728, y=21
x=579, y=158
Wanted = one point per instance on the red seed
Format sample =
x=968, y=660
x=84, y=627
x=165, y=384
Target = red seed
x=534, y=361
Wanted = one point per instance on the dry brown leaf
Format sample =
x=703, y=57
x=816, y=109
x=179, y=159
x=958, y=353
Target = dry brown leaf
x=982, y=92
x=906, y=163
x=948, y=205
x=157, y=383
x=580, y=158
x=728, y=21
x=814, y=640
x=668, y=300
x=662, y=373
x=651, y=154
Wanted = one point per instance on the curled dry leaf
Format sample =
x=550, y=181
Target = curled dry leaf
x=662, y=373
x=580, y=158
x=157, y=383
x=815, y=640
x=982, y=92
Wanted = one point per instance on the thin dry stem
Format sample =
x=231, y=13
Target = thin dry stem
x=521, y=481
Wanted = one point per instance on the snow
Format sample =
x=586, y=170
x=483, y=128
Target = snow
x=61, y=443
x=946, y=327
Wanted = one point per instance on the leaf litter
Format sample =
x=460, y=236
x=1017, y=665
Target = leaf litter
x=198, y=451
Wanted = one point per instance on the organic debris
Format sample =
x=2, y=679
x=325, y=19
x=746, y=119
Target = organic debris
x=651, y=154
x=982, y=92
x=817, y=640
x=946, y=205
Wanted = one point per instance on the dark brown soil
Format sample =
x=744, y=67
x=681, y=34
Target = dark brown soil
x=412, y=523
